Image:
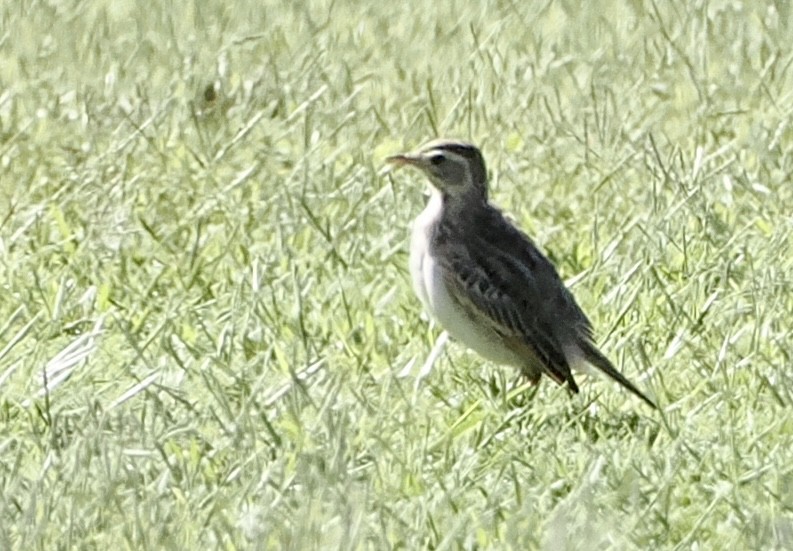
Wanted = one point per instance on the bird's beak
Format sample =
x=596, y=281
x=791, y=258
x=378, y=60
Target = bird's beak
x=403, y=159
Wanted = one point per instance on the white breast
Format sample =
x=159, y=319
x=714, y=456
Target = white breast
x=429, y=284
x=419, y=245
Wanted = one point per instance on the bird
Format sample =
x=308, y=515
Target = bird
x=487, y=283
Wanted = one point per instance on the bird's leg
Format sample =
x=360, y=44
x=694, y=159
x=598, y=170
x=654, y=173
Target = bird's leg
x=533, y=376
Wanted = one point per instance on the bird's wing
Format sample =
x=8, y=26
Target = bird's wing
x=554, y=307
x=495, y=290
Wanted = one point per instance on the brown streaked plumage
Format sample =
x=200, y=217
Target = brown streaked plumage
x=487, y=283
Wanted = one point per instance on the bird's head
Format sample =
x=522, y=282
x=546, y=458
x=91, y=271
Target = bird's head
x=454, y=168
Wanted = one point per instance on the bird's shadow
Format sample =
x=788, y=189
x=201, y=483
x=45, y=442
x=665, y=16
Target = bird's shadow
x=526, y=408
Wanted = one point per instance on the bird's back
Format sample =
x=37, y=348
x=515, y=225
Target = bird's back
x=517, y=268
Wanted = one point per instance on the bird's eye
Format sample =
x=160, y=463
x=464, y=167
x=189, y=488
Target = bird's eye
x=437, y=159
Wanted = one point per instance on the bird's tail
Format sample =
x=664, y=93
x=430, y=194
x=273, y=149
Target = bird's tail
x=595, y=357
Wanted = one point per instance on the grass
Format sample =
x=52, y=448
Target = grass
x=207, y=333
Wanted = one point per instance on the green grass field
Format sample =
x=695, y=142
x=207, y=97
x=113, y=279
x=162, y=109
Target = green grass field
x=208, y=337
